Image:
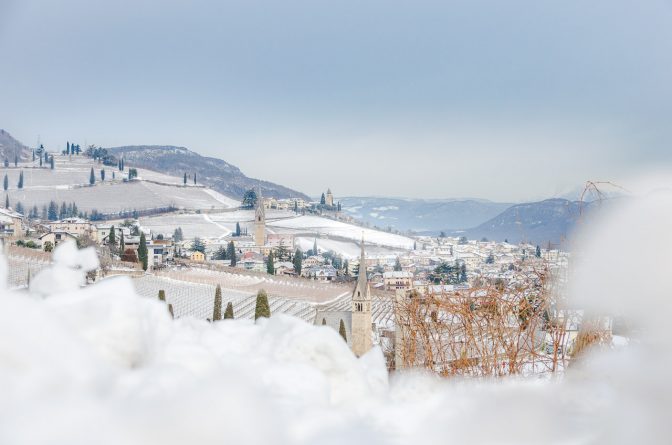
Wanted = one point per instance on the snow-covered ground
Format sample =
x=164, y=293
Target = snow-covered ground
x=100, y=364
x=328, y=227
x=69, y=181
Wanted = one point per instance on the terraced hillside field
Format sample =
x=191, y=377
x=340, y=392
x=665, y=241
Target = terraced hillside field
x=69, y=181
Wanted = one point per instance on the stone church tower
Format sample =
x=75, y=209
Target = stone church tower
x=329, y=200
x=260, y=221
x=361, y=311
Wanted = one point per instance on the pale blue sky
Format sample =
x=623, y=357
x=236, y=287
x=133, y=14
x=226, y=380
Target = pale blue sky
x=509, y=100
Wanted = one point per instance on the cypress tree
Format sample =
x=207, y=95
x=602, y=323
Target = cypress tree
x=112, y=240
x=194, y=178
x=323, y=201
x=184, y=181
x=217, y=311
x=102, y=174
x=6, y=201
x=142, y=251
x=315, y=247
x=228, y=314
x=40, y=160
x=231, y=253
x=537, y=252
x=20, y=184
x=237, y=229
x=397, y=265
x=33, y=155
x=122, y=244
x=298, y=261
x=92, y=177
x=270, y=267
x=5, y=183
x=262, y=308
x=341, y=330
x=16, y=160
x=170, y=310
x=51, y=162
x=162, y=295
x=67, y=147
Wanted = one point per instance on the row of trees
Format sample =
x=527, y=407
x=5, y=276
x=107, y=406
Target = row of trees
x=19, y=185
x=261, y=310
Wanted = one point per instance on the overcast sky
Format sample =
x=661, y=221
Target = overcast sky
x=506, y=100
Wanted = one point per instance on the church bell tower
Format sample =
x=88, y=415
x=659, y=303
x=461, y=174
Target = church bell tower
x=361, y=311
x=260, y=221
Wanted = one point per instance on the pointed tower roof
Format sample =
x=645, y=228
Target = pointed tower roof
x=259, y=211
x=362, y=280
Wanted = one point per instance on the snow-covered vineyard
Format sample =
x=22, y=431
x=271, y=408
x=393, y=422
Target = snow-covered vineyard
x=196, y=299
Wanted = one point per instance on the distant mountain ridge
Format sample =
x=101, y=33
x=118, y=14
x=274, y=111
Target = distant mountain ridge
x=550, y=220
x=215, y=173
x=424, y=216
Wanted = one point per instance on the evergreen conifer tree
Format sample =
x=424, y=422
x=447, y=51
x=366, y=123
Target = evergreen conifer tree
x=231, y=253
x=228, y=314
x=217, y=311
x=16, y=160
x=194, y=178
x=270, y=267
x=33, y=155
x=397, y=265
x=5, y=182
x=184, y=181
x=537, y=252
x=142, y=251
x=51, y=162
x=52, y=213
x=315, y=247
x=112, y=239
x=6, y=201
x=20, y=184
x=92, y=177
x=323, y=200
x=237, y=229
x=122, y=244
x=19, y=208
x=262, y=308
x=170, y=310
x=102, y=174
x=341, y=330
x=162, y=295
x=298, y=261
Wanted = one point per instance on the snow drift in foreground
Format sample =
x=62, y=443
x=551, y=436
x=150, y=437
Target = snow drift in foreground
x=102, y=365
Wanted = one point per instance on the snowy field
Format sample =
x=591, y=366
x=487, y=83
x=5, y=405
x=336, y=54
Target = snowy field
x=69, y=182
x=100, y=364
x=328, y=227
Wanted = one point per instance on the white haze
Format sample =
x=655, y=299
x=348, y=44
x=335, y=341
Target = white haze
x=102, y=365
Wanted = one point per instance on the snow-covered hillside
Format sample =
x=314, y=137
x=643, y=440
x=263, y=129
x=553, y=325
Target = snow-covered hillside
x=329, y=227
x=69, y=182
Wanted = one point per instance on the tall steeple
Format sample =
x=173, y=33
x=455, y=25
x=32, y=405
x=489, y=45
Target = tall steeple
x=260, y=220
x=361, y=310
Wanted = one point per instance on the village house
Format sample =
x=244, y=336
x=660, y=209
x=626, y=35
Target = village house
x=56, y=237
x=275, y=240
x=398, y=280
x=197, y=256
x=10, y=224
x=74, y=226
